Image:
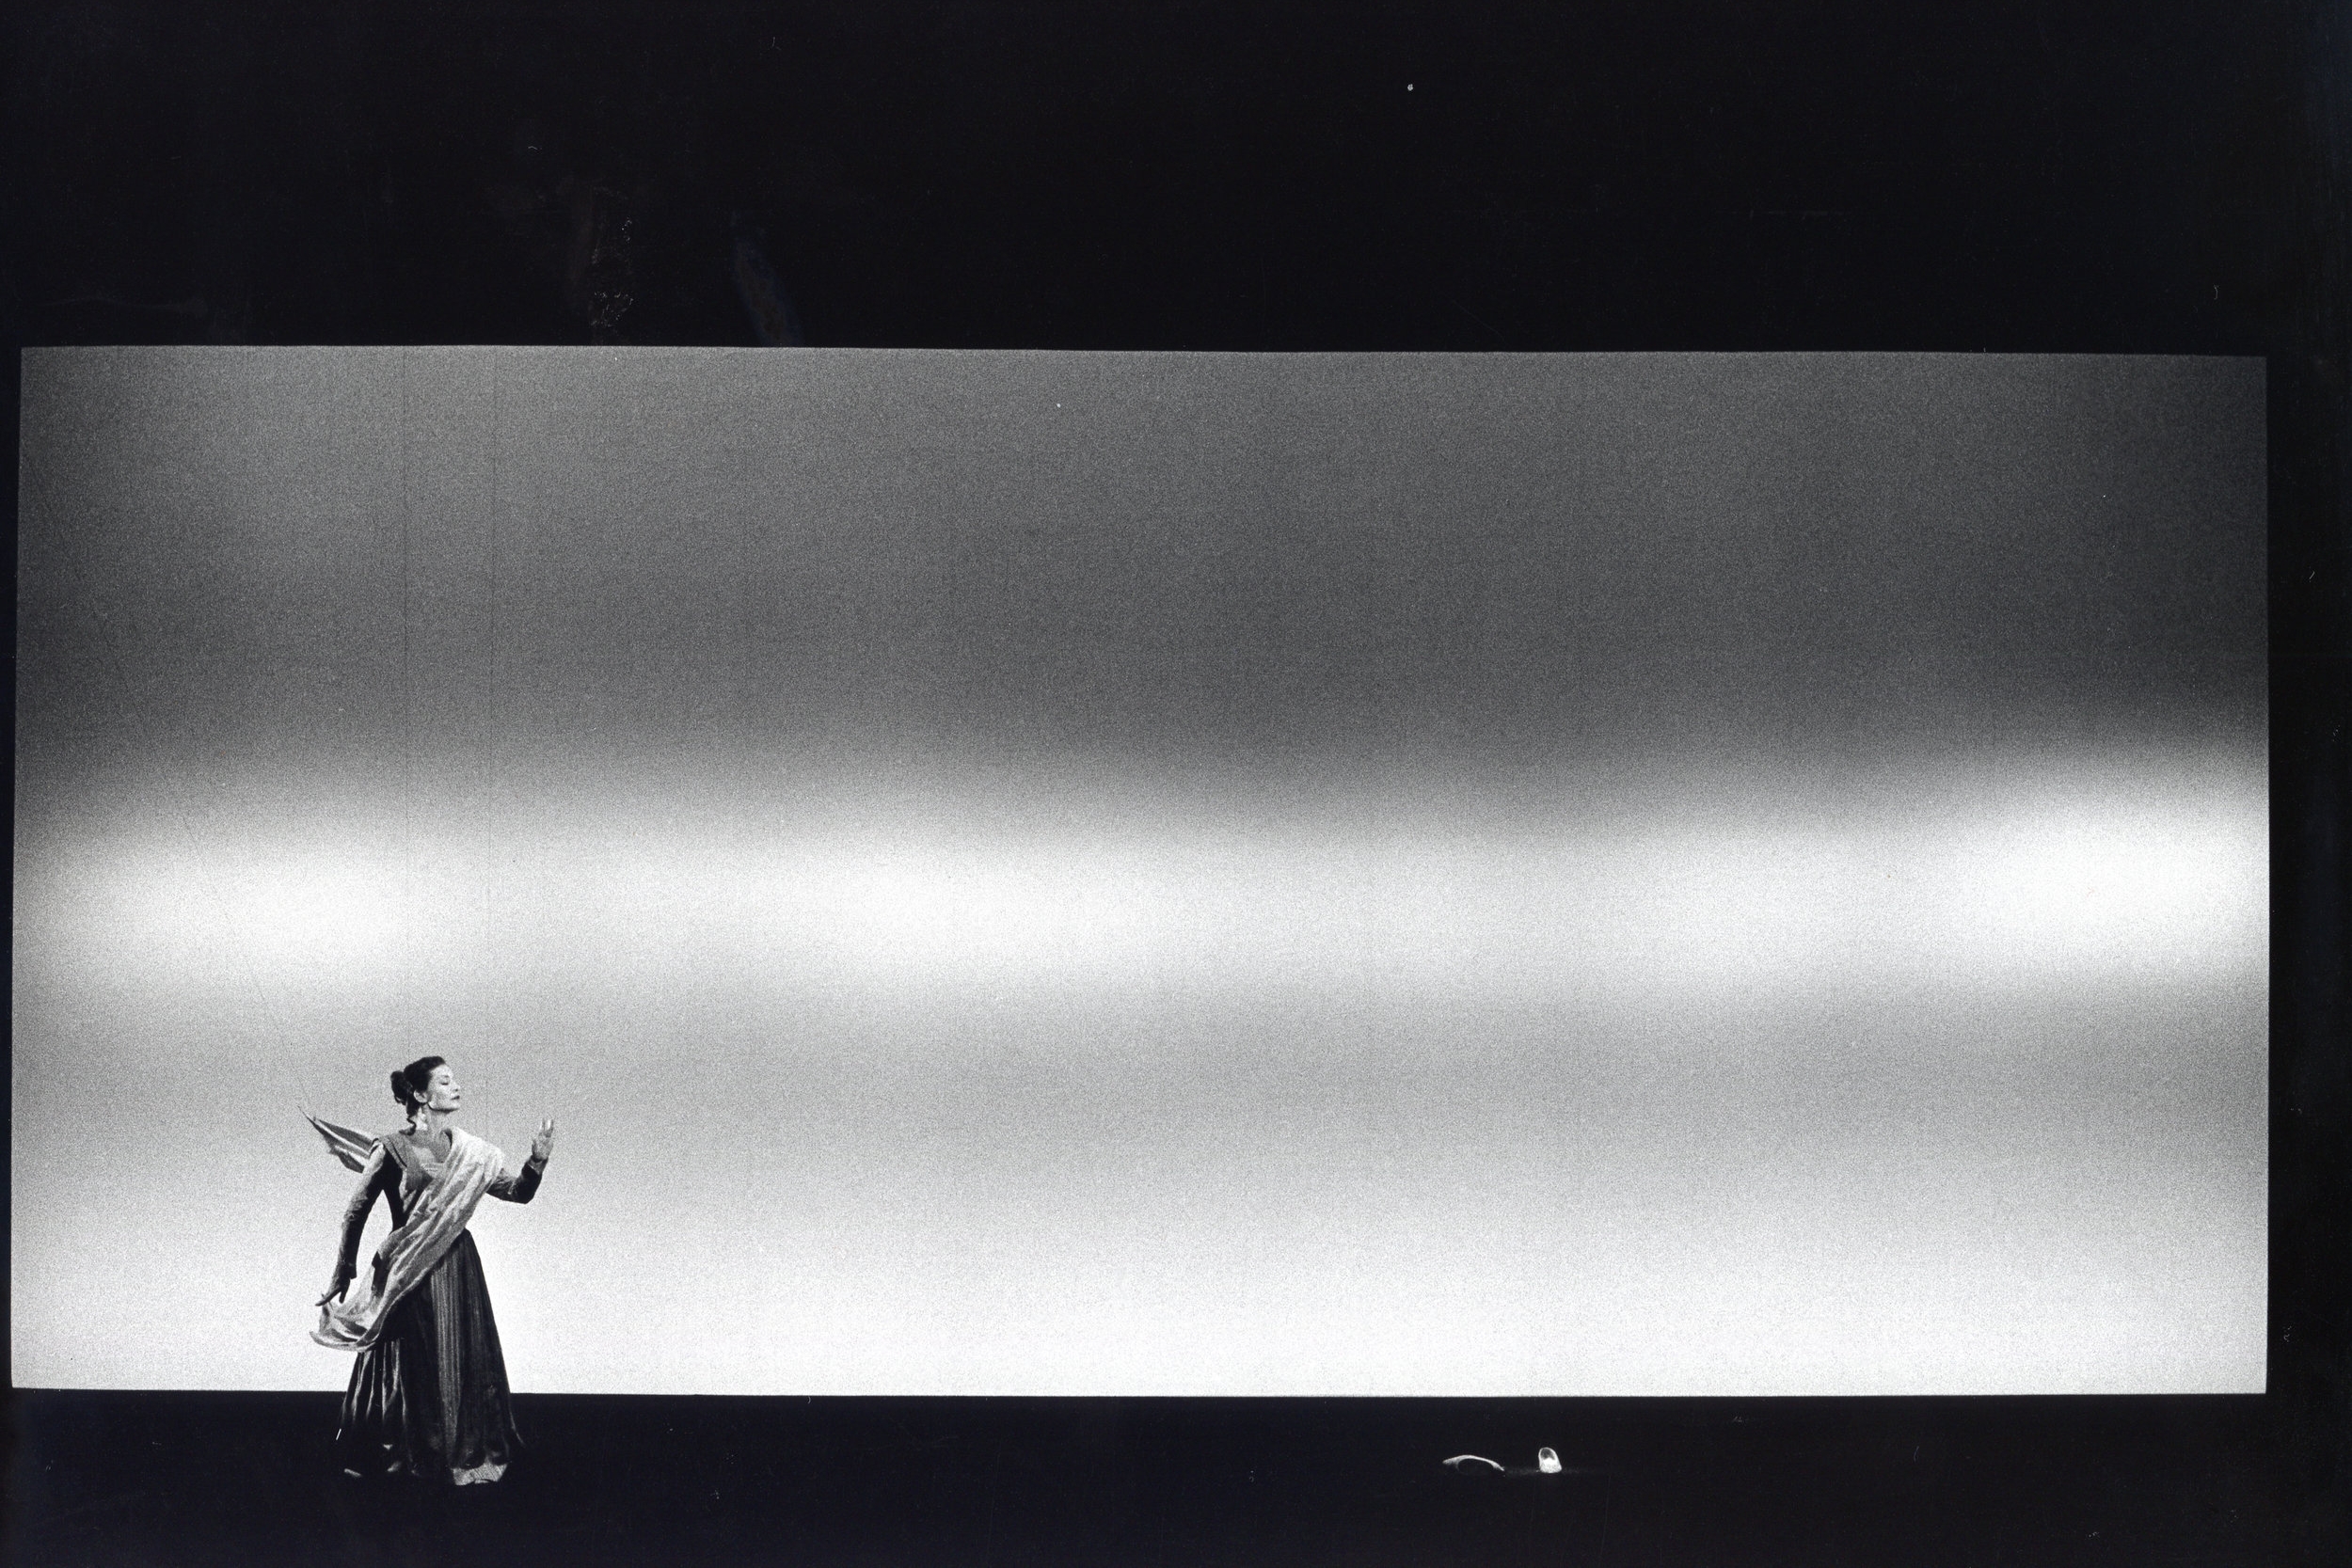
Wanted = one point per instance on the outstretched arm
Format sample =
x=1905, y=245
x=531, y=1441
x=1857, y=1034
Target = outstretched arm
x=373, y=1176
x=522, y=1187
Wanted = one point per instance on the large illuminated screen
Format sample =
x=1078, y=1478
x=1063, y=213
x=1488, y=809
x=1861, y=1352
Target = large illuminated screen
x=1155, y=874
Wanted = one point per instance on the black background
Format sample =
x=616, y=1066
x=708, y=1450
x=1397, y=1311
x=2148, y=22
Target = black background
x=2125, y=177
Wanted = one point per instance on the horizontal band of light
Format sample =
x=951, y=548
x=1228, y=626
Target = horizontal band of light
x=2071, y=884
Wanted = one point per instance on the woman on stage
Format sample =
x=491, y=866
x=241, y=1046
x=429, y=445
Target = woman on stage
x=428, y=1397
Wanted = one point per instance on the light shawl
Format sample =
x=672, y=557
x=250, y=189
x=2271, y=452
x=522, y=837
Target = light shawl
x=437, y=1218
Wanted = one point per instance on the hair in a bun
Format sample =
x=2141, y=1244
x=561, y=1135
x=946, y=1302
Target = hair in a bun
x=409, y=1084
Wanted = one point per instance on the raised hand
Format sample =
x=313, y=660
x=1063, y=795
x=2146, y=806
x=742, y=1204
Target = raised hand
x=542, y=1143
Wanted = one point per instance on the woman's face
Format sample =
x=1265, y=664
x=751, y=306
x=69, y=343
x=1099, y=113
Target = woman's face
x=442, y=1093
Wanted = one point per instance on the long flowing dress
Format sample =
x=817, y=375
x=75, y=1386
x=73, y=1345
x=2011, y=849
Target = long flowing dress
x=428, y=1397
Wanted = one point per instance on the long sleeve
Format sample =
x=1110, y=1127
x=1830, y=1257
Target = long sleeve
x=519, y=1186
x=374, y=1177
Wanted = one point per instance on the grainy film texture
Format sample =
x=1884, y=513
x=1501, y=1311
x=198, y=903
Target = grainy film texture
x=1157, y=873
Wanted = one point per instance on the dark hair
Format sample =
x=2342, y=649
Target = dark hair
x=410, y=1083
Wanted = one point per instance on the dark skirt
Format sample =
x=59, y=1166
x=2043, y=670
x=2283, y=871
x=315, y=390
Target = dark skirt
x=428, y=1399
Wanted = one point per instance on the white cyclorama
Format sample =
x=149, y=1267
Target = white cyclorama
x=1154, y=874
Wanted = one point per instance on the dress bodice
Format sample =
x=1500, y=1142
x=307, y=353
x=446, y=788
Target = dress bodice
x=400, y=1167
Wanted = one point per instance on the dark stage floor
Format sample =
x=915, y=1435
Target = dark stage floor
x=170, y=1479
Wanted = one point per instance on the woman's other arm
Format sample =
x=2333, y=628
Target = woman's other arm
x=373, y=1176
x=521, y=1188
